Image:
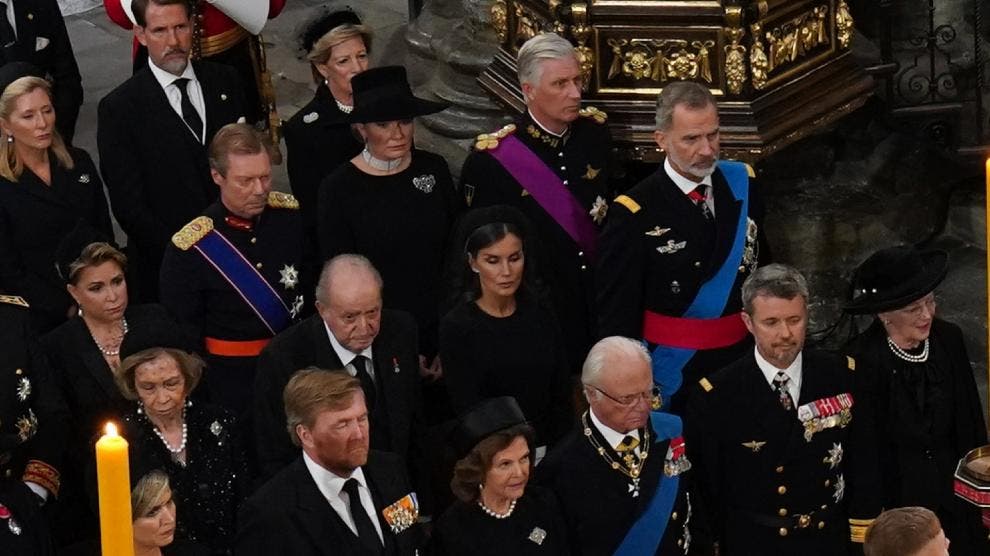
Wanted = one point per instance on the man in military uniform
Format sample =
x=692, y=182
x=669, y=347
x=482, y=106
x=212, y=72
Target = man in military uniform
x=235, y=274
x=772, y=436
x=553, y=163
x=622, y=476
x=32, y=424
x=678, y=245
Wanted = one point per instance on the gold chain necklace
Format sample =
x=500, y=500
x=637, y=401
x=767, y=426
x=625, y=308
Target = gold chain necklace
x=631, y=466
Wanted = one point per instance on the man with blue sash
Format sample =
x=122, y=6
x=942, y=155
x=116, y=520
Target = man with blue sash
x=235, y=275
x=678, y=245
x=775, y=438
x=553, y=163
x=622, y=476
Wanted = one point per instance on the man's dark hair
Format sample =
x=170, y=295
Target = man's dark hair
x=140, y=7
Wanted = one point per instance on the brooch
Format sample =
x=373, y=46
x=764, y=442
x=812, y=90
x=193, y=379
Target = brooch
x=290, y=276
x=84, y=178
x=216, y=428
x=311, y=117
x=425, y=183
x=402, y=514
x=537, y=535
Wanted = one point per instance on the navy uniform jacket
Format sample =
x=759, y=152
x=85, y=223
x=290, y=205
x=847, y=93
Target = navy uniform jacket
x=634, y=276
x=758, y=473
x=582, y=160
x=596, y=501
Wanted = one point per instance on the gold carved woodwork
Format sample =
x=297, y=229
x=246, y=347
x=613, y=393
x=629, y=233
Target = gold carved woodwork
x=759, y=64
x=661, y=59
x=581, y=32
x=527, y=25
x=793, y=40
x=843, y=24
x=735, y=60
x=500, y=20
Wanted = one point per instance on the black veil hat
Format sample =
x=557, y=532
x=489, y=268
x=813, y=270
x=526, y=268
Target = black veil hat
x=383, y=94
x=893, y=277
x=328, y=21
x=483, y=420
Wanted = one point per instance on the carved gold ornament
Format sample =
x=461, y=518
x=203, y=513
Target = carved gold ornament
x=759, y=65
x=581, y=32
x=794, y=39
x=843, y=24
x=500, y=20
x=735, y=60
x=661, y=59
x=527, y=25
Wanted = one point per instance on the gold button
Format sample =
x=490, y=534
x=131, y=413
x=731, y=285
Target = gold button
x=258, y=266
x=782, y=512
x=821, y=524
x=673, y=516
x=8, y=473
x=742, y=268
x=824, y=506
x=680, y=542
x=780, y=469
x=783, y=532
x=584, y=267
x=697, y=264
x=254, y=240
x=781, y=489
x=804, y=521
x=18, y=372
x=828, y=483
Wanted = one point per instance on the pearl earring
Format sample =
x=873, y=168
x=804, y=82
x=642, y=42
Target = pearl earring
x=10, y=138
x=475, y=270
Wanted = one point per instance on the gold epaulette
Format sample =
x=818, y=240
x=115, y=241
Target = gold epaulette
x=857, y=529
x=192, y=232
x=627, y=202
x=749, y=170
x=706, y=385
x=488, y=141
x=40, y=473
x=593, y=113
x=279, y=200
x=851, y=363
x=13, y=300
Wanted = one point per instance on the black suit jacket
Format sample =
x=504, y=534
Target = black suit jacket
x=396, y=365
x=157, y=173
x=43, y=41
x=289, y=515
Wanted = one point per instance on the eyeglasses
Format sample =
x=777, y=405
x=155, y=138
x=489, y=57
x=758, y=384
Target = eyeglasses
x=917, y=308
x=651, y=396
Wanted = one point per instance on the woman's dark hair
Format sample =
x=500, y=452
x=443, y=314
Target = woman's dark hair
x=470, y=471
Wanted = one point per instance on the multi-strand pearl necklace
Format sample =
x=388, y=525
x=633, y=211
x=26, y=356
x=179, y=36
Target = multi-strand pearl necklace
x=920, y=358
x=109, y=351
x=185, y=437
x=493, y=513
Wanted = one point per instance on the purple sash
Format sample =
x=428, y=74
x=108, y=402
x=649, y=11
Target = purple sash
x=549, y=192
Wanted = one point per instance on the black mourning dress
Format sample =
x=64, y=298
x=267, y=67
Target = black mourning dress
x=401, y=223
x=535, y=527
x=926, y=417
x=210, y=487
x=521, y=355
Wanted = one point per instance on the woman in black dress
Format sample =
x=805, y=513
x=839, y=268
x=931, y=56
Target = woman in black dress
x=318, y=138
x=499, y=340
x=196, y=444
x=497, y=512
x=392, y=203
x=916, y=391
x=46, y=187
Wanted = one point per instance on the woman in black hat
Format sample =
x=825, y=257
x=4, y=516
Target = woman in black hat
x=915, y=390
x=46, y=187
x=499, y=339
x=318, y=137
x=392, y=203
x=497, y=512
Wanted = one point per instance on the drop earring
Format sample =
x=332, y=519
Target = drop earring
x=10, y=138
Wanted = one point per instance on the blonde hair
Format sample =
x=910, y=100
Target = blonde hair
x=148, y=492
x=313, y=390
x=95, y=254
x=323, y=47
x=11, y=167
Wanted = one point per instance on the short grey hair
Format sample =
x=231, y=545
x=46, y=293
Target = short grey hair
x=542, y=47
x=694, y=95
x=594, y=364
x=773, y=280
x=331, y=267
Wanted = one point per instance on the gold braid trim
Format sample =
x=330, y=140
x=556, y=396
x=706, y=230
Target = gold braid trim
x=627, y=202
x=41, y=473
x=277, y=199
x=208, y=46
x=13, y=300
x=193, y=232
x=857, y=529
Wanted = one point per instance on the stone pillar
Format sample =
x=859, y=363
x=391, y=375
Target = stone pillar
x=434, y=22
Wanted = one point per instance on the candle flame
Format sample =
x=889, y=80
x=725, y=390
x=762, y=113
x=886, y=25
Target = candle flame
x=111, y=429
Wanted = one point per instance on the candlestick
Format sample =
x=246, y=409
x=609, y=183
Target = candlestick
x=114, y=485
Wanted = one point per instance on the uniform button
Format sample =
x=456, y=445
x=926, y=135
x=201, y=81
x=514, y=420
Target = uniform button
x=561, y=154
x=562, y=168
x=584, y=267
x=782, y=512
x=742, y=268
x=780, y=469
x=19, y=372
x=821, y=524
x=258, y=266
x=565, y=182
x=782, y=532
x=781, y=489
x=680, y=542
x=828, y=483
x=824, y=506
x=673, y=516
x=697, y=264
x=580, y=253
x=8, y=473
x=254, y=240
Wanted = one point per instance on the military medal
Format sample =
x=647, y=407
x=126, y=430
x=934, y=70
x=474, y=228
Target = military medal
x=834, y=456
x=676, y=461
x=290, y=276
x=23, y=389
x=402, y=514
x=657, y=231
x=296, y=306
x=752, y=250
x=11, y=524
x=671, y=247
x=840, y=488
x=598, y=210
x=825, y=413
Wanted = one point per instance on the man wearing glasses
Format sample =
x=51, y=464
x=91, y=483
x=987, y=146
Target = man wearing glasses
x=620, y=476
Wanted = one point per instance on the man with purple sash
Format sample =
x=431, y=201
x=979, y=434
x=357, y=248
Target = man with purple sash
x=235, y=275
x=554, y=164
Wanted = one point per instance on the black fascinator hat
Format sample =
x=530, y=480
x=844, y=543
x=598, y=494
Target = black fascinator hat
x=893, y=277
x=15, y=70
x=483, y=420
x=322, y=25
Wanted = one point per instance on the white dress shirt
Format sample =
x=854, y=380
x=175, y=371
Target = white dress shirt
x=346, y=356
x=193, y=89
x=332, y=488
x=688, y=186
x=793, y=372
x=612, y=436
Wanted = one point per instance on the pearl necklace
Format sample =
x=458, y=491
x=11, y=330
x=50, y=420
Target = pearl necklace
x=108, y=351
x=379, y=164
x=920, y=358
x=343, y=107
x=182, y=446
x=493, y=513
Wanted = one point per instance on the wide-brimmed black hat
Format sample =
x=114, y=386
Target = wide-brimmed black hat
x=893, y=277
x=71, y=246
x=383, y=95
x=322, y=25
x=483, y=420
x=156, y=333
x=15, y=70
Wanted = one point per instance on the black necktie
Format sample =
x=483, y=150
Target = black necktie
x=367, y=383
x=7, y=35
x=189, y=113
x=365, y=529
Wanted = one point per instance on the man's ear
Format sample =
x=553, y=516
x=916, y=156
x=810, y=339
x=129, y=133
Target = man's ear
x=140, y=36
x=748, y=321
x=217, y=177
x=305, y=436
x=660, y=138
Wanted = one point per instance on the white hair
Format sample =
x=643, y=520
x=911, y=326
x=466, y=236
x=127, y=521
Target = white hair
x=608, y=348
x=532, y=54
x=334, y=265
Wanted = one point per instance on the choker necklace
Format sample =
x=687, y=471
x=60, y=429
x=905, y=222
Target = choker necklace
x=112, y=351
x=346, y=109
x=920, y=358
x=493, y=513
x=379, y=164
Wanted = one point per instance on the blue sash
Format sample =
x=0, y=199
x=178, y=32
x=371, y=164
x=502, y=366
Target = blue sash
x=643, y=538
x=669, y=362
x=245, y=279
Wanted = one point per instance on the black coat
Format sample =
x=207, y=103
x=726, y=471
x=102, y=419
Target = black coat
x=917, y=449
x=396, y=361
x=753, y=462
x=596, y=501
x=34, y=218
x=157, y=174
x=43, y=41
x=633, y=276
x=583, y=162
x=289, y=515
